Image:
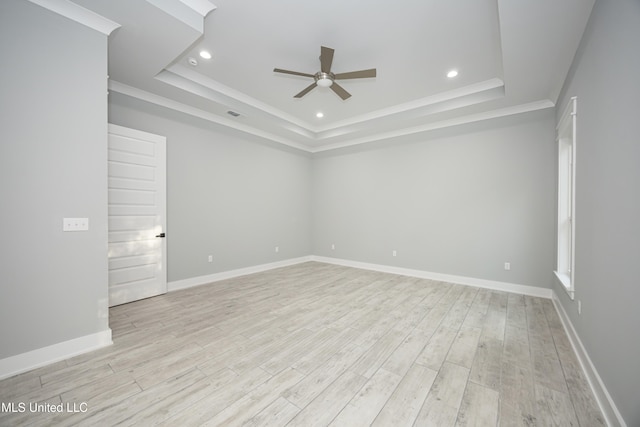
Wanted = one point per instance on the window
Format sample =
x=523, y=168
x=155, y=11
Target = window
x=566, y=138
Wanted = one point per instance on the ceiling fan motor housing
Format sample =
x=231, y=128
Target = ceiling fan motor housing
x=324, y=79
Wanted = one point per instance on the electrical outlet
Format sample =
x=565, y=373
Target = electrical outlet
x=394, y=253
x=277, y=249
x=507, y=266
x=210, y=258
x=333, y=247
x=75, y=224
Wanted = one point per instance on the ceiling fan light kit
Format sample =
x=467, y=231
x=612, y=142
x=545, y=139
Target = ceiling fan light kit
x=325, y=78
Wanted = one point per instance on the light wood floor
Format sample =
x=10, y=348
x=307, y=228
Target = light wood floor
x=317, y=344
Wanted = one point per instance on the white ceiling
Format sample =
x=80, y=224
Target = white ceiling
x=512, y=56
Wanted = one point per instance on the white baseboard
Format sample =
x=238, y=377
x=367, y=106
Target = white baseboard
x=470, y=281
x=24, y=362
x=462, y=280
x=210, y=278
x=607, y=406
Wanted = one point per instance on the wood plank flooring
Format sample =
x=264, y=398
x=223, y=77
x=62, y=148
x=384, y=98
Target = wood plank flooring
x=317, y=345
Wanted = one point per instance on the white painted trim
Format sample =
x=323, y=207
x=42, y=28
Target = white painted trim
x=565, y=281
x=133, y=92
x=605, y=402
x=566, y=140
x=187, y=11
x=79, y=14
x=210, y=278
x=462, y=280
x=54, y=353
x=215, y=89
x=188, y=79
x=203, y=7
x=569, y=111
x=472, y=118
x=428, y=101
x=423, y=111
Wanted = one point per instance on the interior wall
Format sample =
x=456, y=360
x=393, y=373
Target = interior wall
x=460, y=201
x=604, y=77
x=228, y=195
x=53, y=156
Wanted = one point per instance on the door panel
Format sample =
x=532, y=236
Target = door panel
x=137, y=215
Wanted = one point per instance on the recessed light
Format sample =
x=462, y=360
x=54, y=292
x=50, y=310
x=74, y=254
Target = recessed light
x=192, y=61
x=319, y=114
x=453, y=73
x=205, y=54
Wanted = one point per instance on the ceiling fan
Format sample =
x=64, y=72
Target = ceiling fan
x=326, y=78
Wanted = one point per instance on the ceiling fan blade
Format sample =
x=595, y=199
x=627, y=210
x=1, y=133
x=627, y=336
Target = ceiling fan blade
x=340, y=91
x=305, y=90
x=357, y=74
x=326, y=58
x=295, y=73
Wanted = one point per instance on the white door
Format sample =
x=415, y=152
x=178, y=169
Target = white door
x=137, y=215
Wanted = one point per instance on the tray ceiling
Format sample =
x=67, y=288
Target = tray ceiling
x=511, y=57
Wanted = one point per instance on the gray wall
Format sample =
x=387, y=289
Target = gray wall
x=53, y=107
x=461, y=201
x=227, y=195
x=605, y=78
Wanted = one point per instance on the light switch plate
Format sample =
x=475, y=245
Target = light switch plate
x=75, y=224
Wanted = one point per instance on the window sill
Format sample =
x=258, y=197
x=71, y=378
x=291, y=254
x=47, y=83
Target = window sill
x=565, y=279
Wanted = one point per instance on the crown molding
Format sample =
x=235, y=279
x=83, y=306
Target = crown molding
x=191, y=12
x=191, y=81
x=79, y=14
x=471, y=118
x=133, y=92
x=124, y=89
x=426, y=103
x=186, y=79
x=203, y=7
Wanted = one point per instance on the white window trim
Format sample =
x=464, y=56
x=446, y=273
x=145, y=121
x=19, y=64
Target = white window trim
x=566, y=134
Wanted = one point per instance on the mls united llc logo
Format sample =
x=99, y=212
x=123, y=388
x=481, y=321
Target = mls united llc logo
x=21, y=407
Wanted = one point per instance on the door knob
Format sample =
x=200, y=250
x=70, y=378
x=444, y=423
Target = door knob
x=160, y=235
